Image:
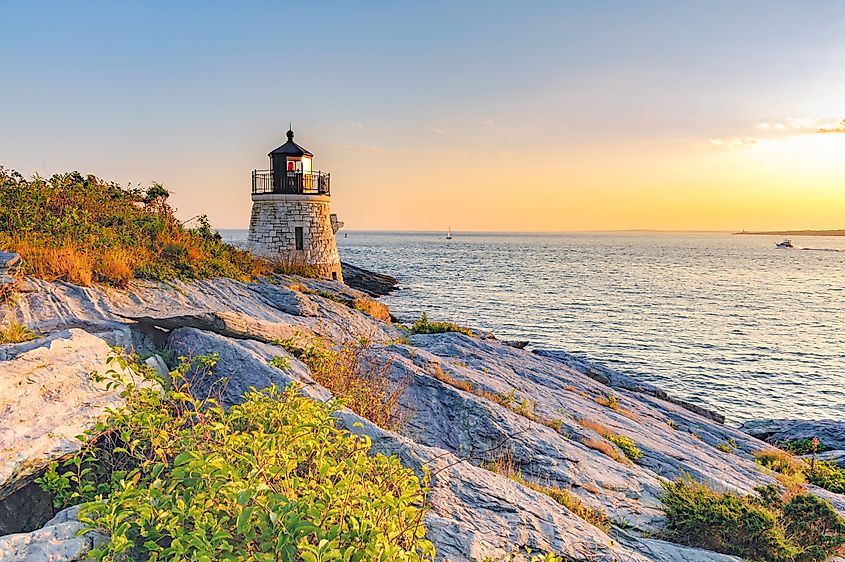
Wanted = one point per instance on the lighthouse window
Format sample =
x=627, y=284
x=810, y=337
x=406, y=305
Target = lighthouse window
x=300, y=237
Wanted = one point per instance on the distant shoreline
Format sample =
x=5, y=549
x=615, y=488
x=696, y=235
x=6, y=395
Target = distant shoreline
x=793, y=233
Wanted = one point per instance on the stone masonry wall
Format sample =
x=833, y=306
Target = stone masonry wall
x=272, y=231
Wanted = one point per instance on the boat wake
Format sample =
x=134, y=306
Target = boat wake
x=821, y=249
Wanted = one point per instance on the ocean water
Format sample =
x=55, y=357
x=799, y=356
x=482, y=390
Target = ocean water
x=729, y=322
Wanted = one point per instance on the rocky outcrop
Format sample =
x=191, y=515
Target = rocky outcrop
x=468, y=402
x=10, y=265
x=615, y=379
x=48, y=396
x=830, y=433
x=370, y=282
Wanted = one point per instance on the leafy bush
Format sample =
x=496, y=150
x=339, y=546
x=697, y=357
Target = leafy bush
x=81, y=229
x=781, y=462
x=764, y=528
x=272, y=479
x=423, y=326
x=362, y=383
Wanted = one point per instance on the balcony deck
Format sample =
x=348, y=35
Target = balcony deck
x=296, y=183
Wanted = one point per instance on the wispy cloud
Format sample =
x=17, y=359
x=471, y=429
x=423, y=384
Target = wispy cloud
x=451, y=151
x=487, y=122
x=436, y=131
x=359, y=148
x=839, y=128
x=802, y=126
x=734, y=143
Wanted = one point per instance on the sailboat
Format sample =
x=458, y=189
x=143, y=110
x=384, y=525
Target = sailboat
x=449, y=234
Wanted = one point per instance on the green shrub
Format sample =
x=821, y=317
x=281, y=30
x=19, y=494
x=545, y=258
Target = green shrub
x=827, y=475
x=82, y=229
x=280, y=362
x=764, y=528
x=423, y=326
x=272, y=479
x=627, y=445
x=804, y=446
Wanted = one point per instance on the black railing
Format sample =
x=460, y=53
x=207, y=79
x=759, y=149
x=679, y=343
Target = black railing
x=305, y=183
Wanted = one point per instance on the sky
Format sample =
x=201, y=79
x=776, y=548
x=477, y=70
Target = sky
x=506, y=116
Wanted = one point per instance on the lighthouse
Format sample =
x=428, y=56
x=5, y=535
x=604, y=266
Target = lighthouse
x=290, y=221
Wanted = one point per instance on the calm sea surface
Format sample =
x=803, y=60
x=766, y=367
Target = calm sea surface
x=729, y=322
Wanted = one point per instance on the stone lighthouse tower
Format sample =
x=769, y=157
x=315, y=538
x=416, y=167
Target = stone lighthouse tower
x=290, y=220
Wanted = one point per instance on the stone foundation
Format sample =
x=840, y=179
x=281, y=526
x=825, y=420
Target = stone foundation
x=272, y=231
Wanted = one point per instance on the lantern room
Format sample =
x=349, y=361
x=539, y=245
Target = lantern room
x=290, y=172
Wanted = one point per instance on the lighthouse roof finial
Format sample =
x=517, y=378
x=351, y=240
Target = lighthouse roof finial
x=290, y=131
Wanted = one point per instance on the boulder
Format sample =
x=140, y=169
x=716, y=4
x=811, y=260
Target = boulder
x=47, y=397
x=836, y=457
x=374, y=284
x=10, y=263
x=241, y=365
x=831, y=433
x=58, y=541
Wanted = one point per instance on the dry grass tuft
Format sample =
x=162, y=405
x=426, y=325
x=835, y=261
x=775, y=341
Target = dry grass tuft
x=115, y=267
x=610, y=401
x=790, y=470
x=625, y=444
x=606, y=448
x=15, y=332
x=503, y=464
x=66, y=263
x=361, y=382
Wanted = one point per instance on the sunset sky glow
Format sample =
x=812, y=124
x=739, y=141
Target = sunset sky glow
x=536, y=116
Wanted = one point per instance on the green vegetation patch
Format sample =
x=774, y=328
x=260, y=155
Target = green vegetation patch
x=824, y=474
x=804, y=446
x=827, y=475
x=82, y=230
x=424, y=326
x=627, y=445
x=272, y=479
x=763, y=528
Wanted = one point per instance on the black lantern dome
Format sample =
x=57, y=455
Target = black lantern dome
x=290, y=148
